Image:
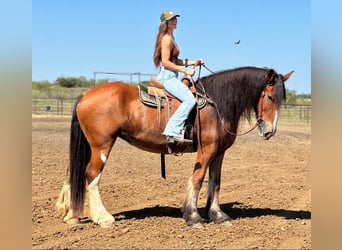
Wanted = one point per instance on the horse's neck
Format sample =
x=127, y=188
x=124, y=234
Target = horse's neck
x=229, y=108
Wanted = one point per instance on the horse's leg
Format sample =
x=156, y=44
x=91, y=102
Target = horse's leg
x=213, y=208
x=189, y=208
x=63, y=205
x=97, y=211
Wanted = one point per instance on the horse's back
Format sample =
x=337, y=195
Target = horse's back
x=112, y=90
x=106, y=102
x=108, y=96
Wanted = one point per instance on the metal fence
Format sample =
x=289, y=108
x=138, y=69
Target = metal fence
x=64, y=106
x=53, y=106
x=293, y=112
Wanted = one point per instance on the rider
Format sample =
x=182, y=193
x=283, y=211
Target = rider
x=166, y=53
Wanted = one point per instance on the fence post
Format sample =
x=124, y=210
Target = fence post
x=57, y=112
x=61, y=107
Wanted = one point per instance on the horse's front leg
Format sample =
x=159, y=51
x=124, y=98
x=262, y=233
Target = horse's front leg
x=213, y=208
x=189, y=208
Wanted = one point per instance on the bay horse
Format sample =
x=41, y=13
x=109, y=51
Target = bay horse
x=113, y=110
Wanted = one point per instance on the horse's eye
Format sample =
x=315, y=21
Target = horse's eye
x=270, y=98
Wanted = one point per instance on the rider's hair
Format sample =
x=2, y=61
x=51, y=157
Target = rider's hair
x=157, y=48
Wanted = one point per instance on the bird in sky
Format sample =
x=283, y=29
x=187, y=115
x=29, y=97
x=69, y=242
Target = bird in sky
x=237, y=42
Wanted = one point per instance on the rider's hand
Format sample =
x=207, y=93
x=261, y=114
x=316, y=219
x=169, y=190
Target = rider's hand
x=190, y=72
x=199, y=62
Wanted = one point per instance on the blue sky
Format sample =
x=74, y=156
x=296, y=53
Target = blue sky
x=76, y=38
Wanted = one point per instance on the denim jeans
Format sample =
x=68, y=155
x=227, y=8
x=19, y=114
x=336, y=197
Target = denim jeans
x=182, y=92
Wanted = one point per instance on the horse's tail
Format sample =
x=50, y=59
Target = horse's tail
x=79, y=155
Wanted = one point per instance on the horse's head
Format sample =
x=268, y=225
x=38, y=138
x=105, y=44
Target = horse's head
x=270, y=102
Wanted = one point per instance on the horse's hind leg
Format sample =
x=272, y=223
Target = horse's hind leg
x=63, y=205
x=213, y=208
x=97, y=211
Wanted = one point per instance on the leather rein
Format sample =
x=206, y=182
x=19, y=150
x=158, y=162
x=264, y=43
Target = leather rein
x=260, y=105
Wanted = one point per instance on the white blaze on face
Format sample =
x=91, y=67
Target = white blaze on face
x=275, y=121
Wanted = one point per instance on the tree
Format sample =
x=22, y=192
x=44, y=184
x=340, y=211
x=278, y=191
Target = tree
x=291, y=96
x=69, y=82
x=41, y=86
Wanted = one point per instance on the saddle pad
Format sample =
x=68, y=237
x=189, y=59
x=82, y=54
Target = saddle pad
x=153, y=97
x=150, y=100
x=156, y=91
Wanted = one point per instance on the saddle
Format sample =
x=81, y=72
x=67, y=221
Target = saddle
x=156, y=96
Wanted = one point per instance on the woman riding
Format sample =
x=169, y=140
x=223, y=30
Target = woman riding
x=166, y=54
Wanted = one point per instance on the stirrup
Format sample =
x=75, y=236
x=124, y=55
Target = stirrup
x=178, y=139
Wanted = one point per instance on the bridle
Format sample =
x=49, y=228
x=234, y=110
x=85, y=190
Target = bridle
x=259, y=122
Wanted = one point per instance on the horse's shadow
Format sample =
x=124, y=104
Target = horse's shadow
x=230, y=208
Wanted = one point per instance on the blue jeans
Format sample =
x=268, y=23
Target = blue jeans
x=181, y=91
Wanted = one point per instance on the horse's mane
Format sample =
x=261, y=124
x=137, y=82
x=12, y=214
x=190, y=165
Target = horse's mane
x=237, y=91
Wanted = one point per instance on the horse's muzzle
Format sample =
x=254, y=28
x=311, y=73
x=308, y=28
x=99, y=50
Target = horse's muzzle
x=265, y=129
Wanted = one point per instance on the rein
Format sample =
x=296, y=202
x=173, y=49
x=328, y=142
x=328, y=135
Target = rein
x=208, y=69
x=260, y=104
x=257, y=123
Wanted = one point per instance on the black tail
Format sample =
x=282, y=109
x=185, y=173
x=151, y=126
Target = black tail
x=79, y=155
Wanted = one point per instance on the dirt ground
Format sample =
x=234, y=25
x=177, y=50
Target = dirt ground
x=265, y=188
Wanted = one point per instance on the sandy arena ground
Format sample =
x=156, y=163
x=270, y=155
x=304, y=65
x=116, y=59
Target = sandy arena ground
x=266, y=189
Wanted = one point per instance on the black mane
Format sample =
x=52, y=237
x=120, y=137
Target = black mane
x=237, y=91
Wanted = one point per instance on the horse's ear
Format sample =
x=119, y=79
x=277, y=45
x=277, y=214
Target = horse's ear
x=287, y=76
x=270, y=76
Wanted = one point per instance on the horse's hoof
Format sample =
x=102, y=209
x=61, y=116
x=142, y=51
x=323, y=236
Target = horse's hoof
x=106, y=223
x=71, y=221
x=198, y=225
x=227, y=224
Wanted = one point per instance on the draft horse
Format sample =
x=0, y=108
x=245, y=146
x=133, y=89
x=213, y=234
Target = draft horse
x=113, y=110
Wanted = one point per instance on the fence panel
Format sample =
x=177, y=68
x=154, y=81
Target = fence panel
x=296, y=113
x=64, y=106
x=53, y=106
